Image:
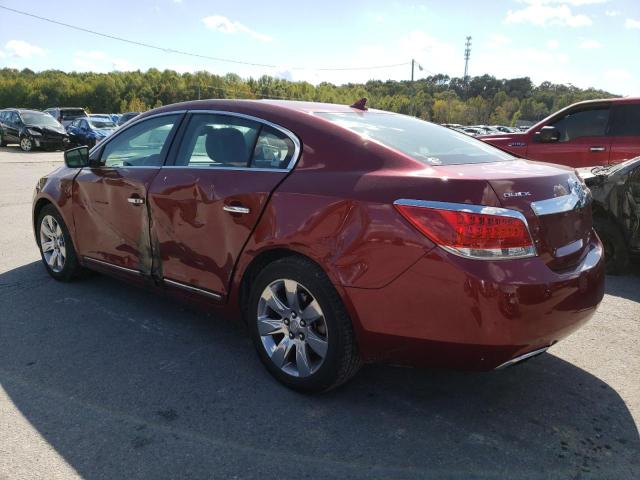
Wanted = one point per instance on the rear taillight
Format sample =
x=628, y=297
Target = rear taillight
x=474, y=231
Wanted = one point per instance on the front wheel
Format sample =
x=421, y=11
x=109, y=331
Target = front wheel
x=26, y=144
x=300, y=327
x=3, y=142
x=616, y=253
x=56, y=248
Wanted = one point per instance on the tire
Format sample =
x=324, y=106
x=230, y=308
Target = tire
x=50, y=227
x=26, y=144
x=325, y=365
x=616, y=253
x=2, y=141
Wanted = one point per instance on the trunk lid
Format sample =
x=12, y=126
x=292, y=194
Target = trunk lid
x=552, y=199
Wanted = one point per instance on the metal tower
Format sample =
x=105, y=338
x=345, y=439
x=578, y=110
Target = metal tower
x=467, y=54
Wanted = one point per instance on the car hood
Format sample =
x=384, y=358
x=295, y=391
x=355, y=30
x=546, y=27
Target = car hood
x=47, y=130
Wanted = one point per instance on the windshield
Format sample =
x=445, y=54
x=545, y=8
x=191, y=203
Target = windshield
x=430, y=144
x=71, y=114
x=37, y=118
x=101, y=123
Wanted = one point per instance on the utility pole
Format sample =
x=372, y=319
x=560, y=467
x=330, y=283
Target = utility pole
x=413, y=63
x=198, y=90
x=467, y=54
x=413, y=89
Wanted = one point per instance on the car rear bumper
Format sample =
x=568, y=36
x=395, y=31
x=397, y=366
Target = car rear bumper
x=450, y=312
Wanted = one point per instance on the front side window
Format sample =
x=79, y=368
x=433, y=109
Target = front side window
x=583, y=123
x=428, y=143
x=141, y=145
x=215, y=140
x=626, y=121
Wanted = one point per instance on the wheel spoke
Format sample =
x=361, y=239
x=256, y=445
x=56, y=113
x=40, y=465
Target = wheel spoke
x=270, y=326
x=60, y=262
x=274, y=302
x=52, y=224
x=47, y=246
x=312, y=312
x=291, y=288
x=302, y=360
x=281, y=352
x=46, y=230
x=53, y=259
x=317, y=344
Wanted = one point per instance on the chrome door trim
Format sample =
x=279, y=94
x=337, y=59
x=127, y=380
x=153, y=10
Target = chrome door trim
x=191, y=288
x=236, y=209
x=111, y=265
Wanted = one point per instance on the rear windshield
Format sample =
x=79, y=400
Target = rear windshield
x=426, y=142
x=101, y=123
x=71, y=114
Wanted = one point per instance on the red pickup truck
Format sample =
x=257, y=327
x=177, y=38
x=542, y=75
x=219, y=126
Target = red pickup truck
x=585, y=134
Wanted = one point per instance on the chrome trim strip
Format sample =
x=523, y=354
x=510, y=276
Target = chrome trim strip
x=568, y=249
x=116, y=267
x=173, y=283
x=482, y=209
x=240, y=169
x=520, y=358
x=562, y=204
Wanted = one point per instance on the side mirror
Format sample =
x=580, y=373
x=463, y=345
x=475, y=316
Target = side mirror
x=77, y=157
x=548, y=134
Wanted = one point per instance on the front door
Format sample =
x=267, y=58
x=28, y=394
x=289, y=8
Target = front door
x=625, y=130
x=584, y=140
x=110, y=198
x=206, y=205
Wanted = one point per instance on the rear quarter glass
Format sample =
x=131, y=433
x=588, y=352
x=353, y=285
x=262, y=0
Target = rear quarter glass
x=423, y=141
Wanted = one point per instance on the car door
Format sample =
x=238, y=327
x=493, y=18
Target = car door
x=625, y=131
x=13, y=127
x=72, y=131
x=110, y=197
x=583, y=142
x=205, y=205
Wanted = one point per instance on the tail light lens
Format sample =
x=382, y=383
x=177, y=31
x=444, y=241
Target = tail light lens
x=473, y=231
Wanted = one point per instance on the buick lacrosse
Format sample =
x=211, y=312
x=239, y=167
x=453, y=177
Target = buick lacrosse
x=340, y=235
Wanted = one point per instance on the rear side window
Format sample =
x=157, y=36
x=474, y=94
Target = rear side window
x=583, y=123
x=428, y=143
x=626, y=121
x=273, y=149
x=215, y=140
x=71, y=114
x=141, y=145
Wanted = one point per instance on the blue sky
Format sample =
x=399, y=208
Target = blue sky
x=582, y=42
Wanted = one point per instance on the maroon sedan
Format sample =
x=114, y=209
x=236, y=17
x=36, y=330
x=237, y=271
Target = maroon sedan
x=341, y=235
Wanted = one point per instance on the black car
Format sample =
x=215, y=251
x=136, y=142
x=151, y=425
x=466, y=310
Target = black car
x=31, y=129
x=125, y=117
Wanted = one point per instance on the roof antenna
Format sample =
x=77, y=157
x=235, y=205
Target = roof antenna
x=360, y=104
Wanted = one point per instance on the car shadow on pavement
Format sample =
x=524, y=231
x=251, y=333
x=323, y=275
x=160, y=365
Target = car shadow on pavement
x=122, y=383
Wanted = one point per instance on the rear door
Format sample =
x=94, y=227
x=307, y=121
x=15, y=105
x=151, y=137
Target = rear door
x=12, y=124
x=205, y=205
x=584, y=139
x=110, y=198
x=625, y=131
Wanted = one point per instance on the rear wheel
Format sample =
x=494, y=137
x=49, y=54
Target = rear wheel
x=3, y=143
x=616, y=253
x=300, y=327
x=56, y=248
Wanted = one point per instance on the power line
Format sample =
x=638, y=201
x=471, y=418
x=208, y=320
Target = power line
x=190, y=54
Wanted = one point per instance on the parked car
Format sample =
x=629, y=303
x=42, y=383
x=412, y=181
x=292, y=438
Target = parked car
x=616, y=211
x=89, y=131
x=341, y=235
x=31, y=129
x=591, y=133
x=125, y=117
x=66, y=115
x=503, y=129
x=472, y=131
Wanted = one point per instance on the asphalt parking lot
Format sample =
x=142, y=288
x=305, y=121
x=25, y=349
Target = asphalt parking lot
x=101, y=380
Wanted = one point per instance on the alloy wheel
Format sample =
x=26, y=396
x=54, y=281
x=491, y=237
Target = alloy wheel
x=292, y=328
x=52, y=243
x=26, y=144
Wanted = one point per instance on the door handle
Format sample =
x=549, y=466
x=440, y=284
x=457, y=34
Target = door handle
x=597, y=149
x=135, y=200
x=236, y=209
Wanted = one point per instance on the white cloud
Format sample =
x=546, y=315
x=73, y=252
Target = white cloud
x=575, y=3
x=2, y=54
x=553, y=44
x=542, y=15
x=631, y=23
x=97, y=61
x=224, y=25
x=617, y=75
x=91, y=55
x=22, y=49
x=612, y=13
x=497, y=39
x=590, y=44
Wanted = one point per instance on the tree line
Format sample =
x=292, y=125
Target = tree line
x=438, y=98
